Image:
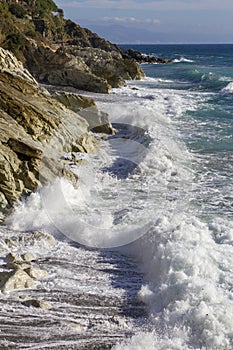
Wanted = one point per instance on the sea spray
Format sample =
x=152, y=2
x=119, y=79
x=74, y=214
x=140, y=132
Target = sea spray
x=184, y=240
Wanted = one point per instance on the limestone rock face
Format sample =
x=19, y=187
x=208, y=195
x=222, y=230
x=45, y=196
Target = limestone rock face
x=109, y=65
x=98, y=121
x=9, y=63
x=35, y=131
x=88, y=68
x=74, y=101
x=61, y=68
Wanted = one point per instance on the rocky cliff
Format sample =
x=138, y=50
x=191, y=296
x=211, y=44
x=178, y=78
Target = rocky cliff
x=36, y=127
x=59, y=52
x=35, y=131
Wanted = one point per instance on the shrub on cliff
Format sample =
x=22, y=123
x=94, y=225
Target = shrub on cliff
x=41, y=7
x=15, y=42
x=17, y=10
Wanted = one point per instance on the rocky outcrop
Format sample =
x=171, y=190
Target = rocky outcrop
x=19, y=273
x=142, y=58
x=35, y=130
x=85, y=106
x=10, y=64
x=91, y=69
x=108, y=65
x=83, y=37
x=60, y=52
x=64, y=69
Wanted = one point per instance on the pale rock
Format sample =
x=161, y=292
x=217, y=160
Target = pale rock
x=35, y=273
x=14, y=258
x=28, y=257
x=18, y=279
x=35, y=127
x=18, y=265
x=10, y=64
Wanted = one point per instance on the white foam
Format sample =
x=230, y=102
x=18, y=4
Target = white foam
x=228, y=89
x=182, y=60
x=187, y=263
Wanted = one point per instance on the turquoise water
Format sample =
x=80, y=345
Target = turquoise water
x=207, y=71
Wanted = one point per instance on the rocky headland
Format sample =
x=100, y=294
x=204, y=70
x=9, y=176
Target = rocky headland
x=37, y=45
x=41, y=279
x=36, y=129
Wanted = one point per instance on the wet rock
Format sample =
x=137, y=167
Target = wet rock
x=22, y=262
x=35, y=273
x=38, y=303
x=17, y=279
x=14, y=258
x=35, y=131
x=142, y=58
x=35, y=239
x=98, y=121
x=74, y=101
x=28, y=257
x=75, y=325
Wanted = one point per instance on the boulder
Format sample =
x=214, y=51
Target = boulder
x=36, y=240
x=98, y=121
x=28, y=257
x=74, y=101
x=35, y=273
x=17, y=279
x=14, y=258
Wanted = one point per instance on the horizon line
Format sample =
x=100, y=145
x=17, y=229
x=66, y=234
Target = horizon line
x=177, y=43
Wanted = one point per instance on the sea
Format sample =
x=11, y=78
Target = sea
x=158, y=193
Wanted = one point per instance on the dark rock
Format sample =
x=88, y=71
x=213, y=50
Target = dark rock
x=38, y=303
x=142, y=58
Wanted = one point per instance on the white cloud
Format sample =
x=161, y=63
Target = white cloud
x=150, y=5
x=132, y=20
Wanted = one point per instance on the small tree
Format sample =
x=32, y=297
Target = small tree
x=17, y=10
x=60, y=13
x=42, y=7
x=14, y=41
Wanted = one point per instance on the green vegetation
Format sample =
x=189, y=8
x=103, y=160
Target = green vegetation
x=42, y=7
x=41, y=21
x=29, y=19
x=15, y=41
x=17, y=10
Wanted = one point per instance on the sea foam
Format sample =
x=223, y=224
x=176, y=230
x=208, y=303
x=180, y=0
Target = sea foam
x=228, y=89
x=186, y=262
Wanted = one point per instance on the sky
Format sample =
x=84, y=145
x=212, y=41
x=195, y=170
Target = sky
x=152, y=22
